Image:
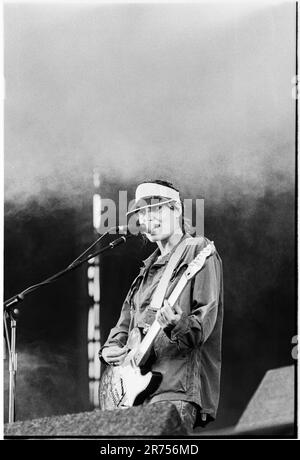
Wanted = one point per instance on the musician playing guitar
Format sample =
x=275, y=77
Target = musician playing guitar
x=186, y=352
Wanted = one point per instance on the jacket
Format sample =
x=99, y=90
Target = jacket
x=189, y=355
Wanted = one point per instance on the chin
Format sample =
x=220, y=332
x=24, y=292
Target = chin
x=157, y=237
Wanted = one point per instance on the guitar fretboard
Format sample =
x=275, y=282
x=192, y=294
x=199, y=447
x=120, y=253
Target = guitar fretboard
x=154, y=329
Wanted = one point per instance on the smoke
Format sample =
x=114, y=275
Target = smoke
x=46, y=384
x=200, y=95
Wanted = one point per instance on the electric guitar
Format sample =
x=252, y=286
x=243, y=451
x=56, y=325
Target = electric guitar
x=125, y=386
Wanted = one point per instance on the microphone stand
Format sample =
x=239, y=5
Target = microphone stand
x=11, y=312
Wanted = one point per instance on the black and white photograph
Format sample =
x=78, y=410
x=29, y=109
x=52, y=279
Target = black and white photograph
x=150, y=223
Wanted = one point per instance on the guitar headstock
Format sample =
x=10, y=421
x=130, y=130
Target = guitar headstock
x=197, y=263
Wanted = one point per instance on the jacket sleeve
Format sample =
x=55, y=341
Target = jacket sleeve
x=118, y=334
x=198, y=319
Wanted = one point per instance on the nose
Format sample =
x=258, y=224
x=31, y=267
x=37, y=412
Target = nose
x=148, y=212
x=144, y=216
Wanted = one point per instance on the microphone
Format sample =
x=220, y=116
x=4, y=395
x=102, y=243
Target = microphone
x=135, y=229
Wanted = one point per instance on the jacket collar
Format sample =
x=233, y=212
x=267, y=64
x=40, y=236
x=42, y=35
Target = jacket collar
x=163, y=260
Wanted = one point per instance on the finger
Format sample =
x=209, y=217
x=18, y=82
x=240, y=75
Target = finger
x=116, y=352
x=114, y=356
x=166, y=303
x=116, y=361
x=174, y=315
x=165, y=321
x=166, y=306
x=172, y=310
x=177, y=309
x=113, y=361
x=161, y=319
x=168, y=314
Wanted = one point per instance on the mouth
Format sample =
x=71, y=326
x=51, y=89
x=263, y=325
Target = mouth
x=153, y=228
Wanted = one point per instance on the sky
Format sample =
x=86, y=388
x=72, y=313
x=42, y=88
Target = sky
x=198, y=94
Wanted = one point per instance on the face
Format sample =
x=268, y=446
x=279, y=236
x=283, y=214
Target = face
x=161, y=222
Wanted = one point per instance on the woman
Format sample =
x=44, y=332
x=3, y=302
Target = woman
x=187, y=351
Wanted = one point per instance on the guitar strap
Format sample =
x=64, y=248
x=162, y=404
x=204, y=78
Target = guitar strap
x=159, y=294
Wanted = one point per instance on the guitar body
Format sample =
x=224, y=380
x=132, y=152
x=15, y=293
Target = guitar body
x=125, y=386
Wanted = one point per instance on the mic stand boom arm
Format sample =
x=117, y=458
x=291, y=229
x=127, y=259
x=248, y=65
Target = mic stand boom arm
x=11, y=312
x=8, y=304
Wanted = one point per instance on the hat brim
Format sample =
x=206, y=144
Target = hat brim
x=137, y=207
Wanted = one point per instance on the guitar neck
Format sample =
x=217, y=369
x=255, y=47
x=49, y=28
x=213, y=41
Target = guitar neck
x=146, y=344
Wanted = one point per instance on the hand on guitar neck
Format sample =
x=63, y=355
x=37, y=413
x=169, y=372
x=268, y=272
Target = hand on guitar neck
x=114, y=355
x=168, y=316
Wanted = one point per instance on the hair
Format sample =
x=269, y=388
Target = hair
x=184, y=224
